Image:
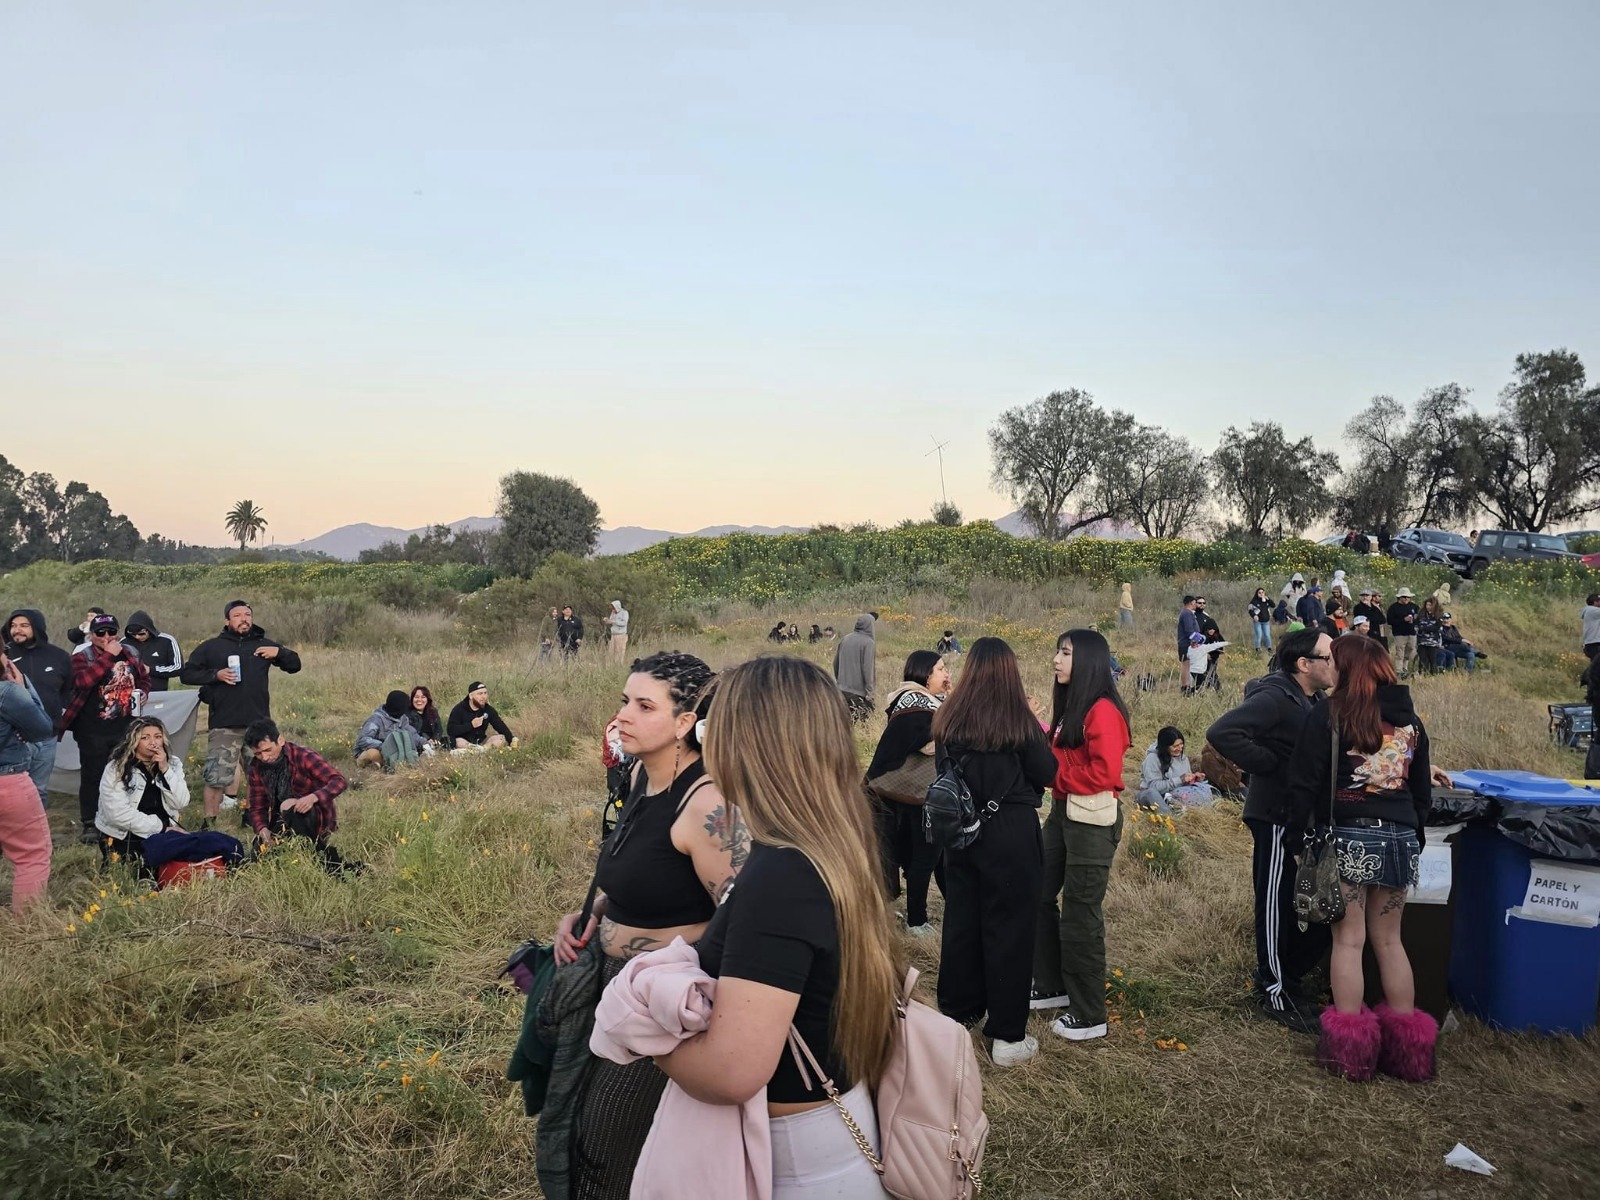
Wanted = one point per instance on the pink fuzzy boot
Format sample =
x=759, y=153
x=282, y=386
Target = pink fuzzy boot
x=1408, y=1041
x=1349, y=1043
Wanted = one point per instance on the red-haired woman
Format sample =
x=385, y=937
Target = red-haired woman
x=1365, y=752
x=423, y=716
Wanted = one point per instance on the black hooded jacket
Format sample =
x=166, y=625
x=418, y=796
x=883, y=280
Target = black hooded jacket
x=235, y=706
x=48, y=668
x=160, y=653
x=1381, y=785
x=1259, y=736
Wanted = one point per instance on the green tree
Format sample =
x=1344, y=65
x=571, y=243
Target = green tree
x=14, y=525
x=245, y=522
x=947, y=514
x=1054, y=452
x=1276, y=486
x=1159, y=483
x=1538, y=457
x=1412, y=470
x=541, y=515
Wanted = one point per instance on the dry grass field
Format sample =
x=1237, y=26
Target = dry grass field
x=283, y=1034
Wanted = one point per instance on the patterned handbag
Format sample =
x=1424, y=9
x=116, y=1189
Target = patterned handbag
x=1318, y=898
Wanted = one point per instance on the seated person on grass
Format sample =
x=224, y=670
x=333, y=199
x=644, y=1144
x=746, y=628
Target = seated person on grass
x=472, y=720
x=142, y=791
x=291, y=792
x=387, y=739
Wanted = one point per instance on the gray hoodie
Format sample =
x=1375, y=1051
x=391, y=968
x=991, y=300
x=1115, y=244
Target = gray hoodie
x=854, y=662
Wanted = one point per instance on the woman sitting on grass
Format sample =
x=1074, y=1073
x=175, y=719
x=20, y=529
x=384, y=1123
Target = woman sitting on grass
x=1380, y=799
x=142, y=791
x=898, y=779
x=671, y=857
x=804, y=937
x=423, y=716
x=1166, y=779
x=992, y=887
x=1089, y=734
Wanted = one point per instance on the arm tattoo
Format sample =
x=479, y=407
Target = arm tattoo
x=732, y=838
x=631, y=948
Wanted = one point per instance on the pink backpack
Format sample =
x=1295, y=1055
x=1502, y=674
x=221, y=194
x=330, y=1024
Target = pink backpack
x=929, y=1102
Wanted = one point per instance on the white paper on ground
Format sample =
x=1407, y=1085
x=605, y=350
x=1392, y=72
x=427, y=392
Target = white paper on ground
x=1466, y=1160
x=1433, y=876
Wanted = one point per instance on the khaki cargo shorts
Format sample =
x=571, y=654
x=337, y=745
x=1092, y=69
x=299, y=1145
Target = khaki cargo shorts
x=224, y=748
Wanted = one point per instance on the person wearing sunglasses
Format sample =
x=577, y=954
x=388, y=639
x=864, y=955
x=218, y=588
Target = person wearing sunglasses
x=1259, y=736
x=109, y=685
x=669, y=861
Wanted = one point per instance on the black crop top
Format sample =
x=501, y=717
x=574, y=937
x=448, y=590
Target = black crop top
x=649, y=883
x=777, y=927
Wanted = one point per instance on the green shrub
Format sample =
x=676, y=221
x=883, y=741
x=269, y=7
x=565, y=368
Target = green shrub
x=1560, y=577
x=513, y=608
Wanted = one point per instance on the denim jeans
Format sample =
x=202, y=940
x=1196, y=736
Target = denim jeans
x=1261, y=635
x=1454, y=654
x=41, y=763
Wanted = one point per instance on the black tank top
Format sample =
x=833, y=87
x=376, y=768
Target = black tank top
x=649, y=883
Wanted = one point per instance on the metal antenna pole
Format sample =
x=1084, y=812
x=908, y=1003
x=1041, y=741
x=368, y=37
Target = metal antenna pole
x=938, y=448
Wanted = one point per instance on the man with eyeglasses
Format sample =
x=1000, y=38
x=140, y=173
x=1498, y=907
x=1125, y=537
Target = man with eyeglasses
x=1259, y=736
x=1212, y=632
x=109, y=684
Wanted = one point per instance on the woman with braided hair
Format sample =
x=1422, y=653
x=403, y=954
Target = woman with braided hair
x=662, y=871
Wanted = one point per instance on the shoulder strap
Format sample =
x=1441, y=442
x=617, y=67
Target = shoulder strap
x=703, y=781
x=1333, y=765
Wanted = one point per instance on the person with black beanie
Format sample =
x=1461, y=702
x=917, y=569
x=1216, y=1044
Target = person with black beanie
x=471, y=721
x=386, y=722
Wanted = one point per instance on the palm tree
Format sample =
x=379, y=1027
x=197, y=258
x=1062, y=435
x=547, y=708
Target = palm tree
x=245, y=522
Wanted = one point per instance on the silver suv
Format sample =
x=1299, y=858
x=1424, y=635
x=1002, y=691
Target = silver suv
x=1499, y=545
x=1435, y=546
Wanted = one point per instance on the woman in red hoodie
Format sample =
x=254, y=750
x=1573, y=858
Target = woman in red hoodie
x=1090, y=736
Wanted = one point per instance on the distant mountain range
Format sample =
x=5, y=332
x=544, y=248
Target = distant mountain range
x=348, y=541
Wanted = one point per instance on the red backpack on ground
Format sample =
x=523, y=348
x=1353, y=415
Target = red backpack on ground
x=179, y=874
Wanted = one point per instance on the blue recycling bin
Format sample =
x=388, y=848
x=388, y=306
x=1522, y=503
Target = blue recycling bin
x=1527, y=942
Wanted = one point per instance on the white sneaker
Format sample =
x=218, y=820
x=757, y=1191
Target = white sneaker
x=1012, y=1054
x=1038, y=1000
x=1066, y=1027
x=925, y=930
x=230, y=802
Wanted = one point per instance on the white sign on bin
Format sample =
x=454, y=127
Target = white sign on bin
x=1433, y=877
x=1560, y=893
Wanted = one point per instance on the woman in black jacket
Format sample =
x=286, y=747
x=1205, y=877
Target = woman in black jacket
x=992, y=887
x=423, y=716
x=898, y=780
x=1364, y=756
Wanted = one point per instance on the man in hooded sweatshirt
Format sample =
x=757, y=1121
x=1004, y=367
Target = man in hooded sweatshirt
x=855, y=668
x=386, y=722
x=158, y=650
x=617, y=626
x=49, y=669
x=234, y=700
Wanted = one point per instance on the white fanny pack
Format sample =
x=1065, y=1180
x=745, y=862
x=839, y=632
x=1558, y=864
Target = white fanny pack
x=1098, y=809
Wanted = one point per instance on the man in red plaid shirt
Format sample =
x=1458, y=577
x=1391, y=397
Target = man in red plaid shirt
x=291, y=792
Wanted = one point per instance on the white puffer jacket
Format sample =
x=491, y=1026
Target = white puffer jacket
x=119, y=813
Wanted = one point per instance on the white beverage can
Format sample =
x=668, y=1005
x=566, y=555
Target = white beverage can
x=233, y=665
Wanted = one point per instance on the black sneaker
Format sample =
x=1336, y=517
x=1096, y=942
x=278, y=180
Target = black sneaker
x=1291, y=1016
x=1040, y=1000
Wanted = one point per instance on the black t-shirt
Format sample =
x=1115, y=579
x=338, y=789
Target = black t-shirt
x=777, y=927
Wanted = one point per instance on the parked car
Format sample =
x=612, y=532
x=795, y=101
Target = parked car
x=1578, y=535
x=1436, y=546
x=1500, y=545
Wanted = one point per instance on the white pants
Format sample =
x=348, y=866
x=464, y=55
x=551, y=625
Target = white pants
x=814, y=1156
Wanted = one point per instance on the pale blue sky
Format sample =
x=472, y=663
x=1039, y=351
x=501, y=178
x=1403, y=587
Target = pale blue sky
x=735, y=263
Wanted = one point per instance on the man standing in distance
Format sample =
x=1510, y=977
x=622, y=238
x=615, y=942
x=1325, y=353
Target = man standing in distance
x=569, y=632
x=109, y=683
x=1259, y=736
x=855, y=668
x=1188, y=626
x=617, y=626
x=235, y=699
x=1403, y=630
x=49, y=669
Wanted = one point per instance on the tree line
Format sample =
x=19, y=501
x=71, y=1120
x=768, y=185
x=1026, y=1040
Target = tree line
x=1532, y=463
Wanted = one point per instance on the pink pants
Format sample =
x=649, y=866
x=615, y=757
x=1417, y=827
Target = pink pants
x=24, y=838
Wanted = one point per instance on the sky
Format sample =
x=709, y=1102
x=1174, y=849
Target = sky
x=744, y=262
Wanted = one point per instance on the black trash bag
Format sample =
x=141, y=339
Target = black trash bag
x=1454, y=805
x=1570, y=832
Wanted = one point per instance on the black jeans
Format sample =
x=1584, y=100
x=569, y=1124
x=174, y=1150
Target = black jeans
x=1283, y=953
x=904, y=848
x=991, y=899
x=93, y=755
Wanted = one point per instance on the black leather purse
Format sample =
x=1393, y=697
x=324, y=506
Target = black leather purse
x=1318, y=898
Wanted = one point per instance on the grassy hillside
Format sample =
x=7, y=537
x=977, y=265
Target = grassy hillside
x=293, y=1035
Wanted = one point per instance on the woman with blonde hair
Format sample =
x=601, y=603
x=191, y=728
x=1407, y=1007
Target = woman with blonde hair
x=803, y=938
x=142, y=792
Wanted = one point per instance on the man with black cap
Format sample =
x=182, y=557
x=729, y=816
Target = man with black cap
x=232, y=671
x=389, y=721
x=158, y=650
x=109, y=683
x=472, y=719
x=49, y=669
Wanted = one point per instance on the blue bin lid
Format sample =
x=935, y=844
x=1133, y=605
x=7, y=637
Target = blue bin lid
x=1524, y=786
